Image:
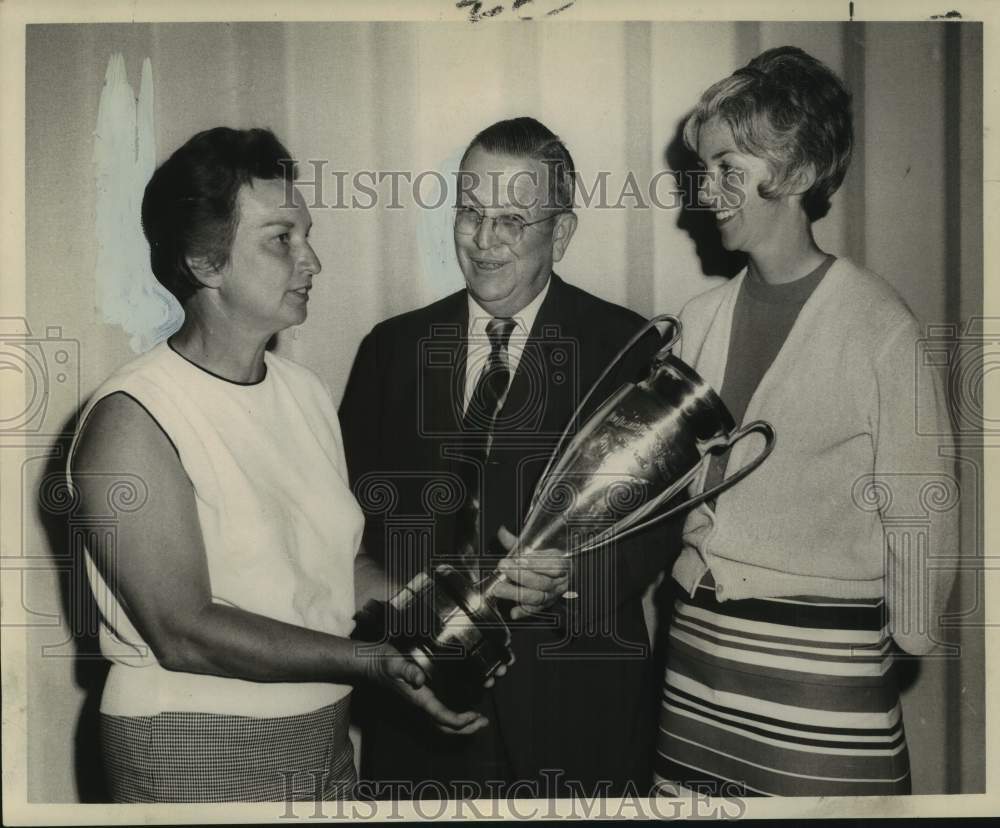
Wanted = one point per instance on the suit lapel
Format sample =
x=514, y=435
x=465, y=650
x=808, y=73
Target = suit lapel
x=443, y=368
x=541, y=396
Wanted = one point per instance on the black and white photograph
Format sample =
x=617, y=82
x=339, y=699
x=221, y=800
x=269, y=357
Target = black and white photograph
x=517, y=409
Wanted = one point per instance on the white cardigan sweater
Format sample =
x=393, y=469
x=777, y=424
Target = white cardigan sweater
x=853, y=502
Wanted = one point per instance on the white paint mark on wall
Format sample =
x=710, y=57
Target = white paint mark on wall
x=128, y=294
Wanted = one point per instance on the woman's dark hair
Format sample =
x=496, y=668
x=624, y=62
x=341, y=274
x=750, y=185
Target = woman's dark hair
x=525, y=137
x=790, y=110
x=189, y=209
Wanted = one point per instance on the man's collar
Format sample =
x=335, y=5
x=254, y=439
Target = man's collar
x=525, y=318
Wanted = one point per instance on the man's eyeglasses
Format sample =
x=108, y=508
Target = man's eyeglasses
x=507, y=227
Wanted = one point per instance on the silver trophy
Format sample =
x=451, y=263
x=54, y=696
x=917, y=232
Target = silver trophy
x=619, y=475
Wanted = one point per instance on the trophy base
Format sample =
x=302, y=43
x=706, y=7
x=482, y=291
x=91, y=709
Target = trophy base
x=442, y=622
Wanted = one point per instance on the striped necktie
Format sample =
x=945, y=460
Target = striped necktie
x=480, y=416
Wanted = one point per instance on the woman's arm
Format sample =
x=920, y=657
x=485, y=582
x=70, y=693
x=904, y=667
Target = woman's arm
x=919, y=489
x=160, y=575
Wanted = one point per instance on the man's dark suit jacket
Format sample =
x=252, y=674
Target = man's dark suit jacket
x=584, y=709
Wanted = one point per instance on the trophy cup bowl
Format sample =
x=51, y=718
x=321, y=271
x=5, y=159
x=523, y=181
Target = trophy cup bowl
x=638, y=451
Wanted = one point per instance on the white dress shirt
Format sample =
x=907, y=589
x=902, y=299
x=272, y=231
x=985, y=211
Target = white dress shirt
x=479, y=341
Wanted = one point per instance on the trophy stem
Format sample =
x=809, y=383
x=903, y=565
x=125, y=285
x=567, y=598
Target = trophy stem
x=490, y=583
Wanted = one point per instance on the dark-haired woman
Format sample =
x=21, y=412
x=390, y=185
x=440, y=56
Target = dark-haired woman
x=228, y=590
x=791, y=588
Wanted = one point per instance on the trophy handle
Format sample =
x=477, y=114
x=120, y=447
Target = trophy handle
x=631, y=525
x=761, y=426
x=676, y=331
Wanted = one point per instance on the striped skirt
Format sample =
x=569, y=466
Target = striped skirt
x=781, y=697
x=207, y=757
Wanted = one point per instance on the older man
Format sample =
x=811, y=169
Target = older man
x=469, y=395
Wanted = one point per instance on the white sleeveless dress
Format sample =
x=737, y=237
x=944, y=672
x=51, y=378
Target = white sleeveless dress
x=281, y=529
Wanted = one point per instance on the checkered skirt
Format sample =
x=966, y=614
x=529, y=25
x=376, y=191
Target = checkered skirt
x=208, y=757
